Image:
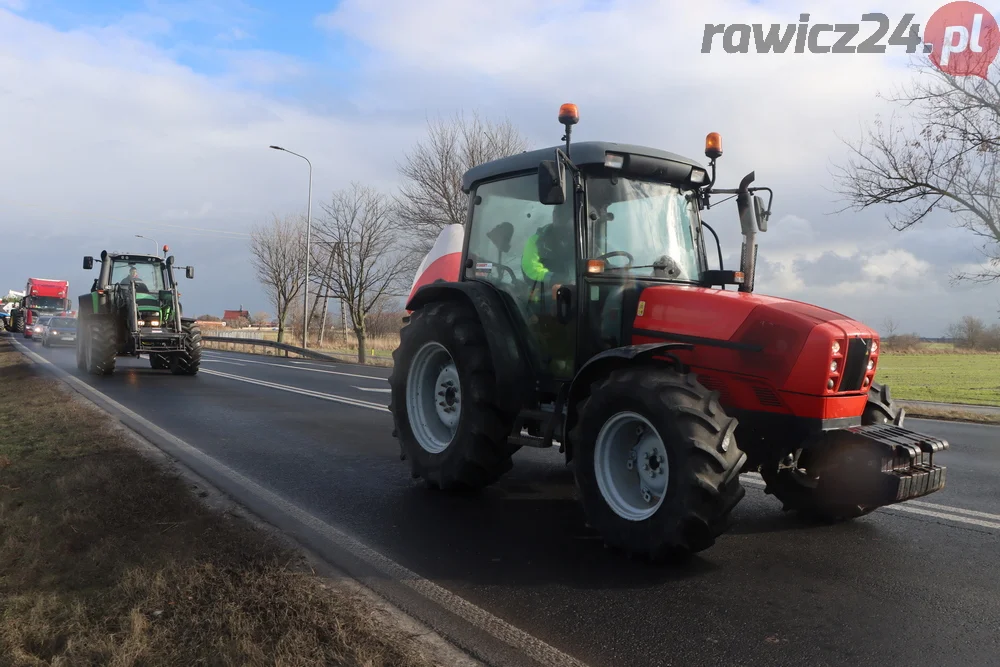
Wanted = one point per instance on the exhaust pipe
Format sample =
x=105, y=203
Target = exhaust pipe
x=748, y=223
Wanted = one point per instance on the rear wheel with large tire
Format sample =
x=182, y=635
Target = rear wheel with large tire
x=101, y=349
x=17, y=323
x=189, y=361
x=798, y=486
x=443, y=400
x=656, y=462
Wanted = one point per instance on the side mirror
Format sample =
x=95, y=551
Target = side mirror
x=88, y=263
x=551, y=183
x=189, y=272
x=761, y=212
x=170, y=260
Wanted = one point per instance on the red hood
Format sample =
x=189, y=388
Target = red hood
x=719, y=314
x=788, y=343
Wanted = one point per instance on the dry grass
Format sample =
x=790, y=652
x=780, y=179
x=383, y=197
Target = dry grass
x=947, y=414
x=106, y=560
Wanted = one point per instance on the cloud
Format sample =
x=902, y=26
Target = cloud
x=109, y=135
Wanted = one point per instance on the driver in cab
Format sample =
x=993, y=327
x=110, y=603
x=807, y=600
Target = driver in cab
x=134, y=279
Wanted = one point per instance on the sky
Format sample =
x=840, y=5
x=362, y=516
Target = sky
x=154, y=118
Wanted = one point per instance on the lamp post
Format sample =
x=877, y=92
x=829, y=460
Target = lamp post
x=140, y=236
x=305, y=296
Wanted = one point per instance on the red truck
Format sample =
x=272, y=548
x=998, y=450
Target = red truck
x=41, y=297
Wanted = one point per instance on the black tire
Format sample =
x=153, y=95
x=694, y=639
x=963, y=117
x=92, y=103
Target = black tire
x=81, y=350
x=189, y=361
x=101, y=348
x=881, y=409
x=158, y=361
x=478, y=454
x=704, y=461
x=17, y=323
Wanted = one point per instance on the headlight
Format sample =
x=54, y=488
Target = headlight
x=833, y=367
x=836, y=347
x=699, y=176
x=141, y=323
x=154, y=323
x=874, y=346
x=871, y=364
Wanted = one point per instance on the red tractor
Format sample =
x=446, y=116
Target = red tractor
x=578, y=308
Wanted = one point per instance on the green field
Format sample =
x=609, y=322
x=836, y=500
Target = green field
x=949, y=378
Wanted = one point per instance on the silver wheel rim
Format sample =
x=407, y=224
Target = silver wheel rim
x=433, y=397
x=631, y=466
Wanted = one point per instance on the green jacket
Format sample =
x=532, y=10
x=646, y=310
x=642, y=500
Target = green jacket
x=531, y=263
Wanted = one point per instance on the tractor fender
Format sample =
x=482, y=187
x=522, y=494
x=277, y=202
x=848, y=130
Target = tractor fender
x=599, y=366
x=510, y=362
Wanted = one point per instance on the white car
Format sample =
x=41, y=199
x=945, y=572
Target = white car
x=38, y=329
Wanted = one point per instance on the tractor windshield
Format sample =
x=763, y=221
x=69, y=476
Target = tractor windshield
x=147, y=276
x=644, y=228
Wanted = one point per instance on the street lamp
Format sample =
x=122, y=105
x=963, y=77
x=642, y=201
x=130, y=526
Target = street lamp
x=305, y=296
x=140, y=236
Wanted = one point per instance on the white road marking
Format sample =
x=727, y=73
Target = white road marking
x=223, y=361
x=915, y=507
x=304, y=392
x=904, y=507
x=956, y=510
x=312, y=370
x=477, y=616
x=378, y=389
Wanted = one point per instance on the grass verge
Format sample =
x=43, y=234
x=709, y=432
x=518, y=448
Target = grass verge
x=106, y=559
x=973, y=379
x=956, y=415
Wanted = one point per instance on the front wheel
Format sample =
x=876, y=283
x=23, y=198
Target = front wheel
x=656, y=462
x=797, y=486
x=189, y=360
x=101, y=348
x=443, y=400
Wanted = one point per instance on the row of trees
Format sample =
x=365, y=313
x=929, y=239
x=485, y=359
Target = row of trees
x=969, y=333
x=366, y=245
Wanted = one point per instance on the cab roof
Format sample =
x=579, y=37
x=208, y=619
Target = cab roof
x=582, y=153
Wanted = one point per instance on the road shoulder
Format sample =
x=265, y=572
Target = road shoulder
x=134, y=549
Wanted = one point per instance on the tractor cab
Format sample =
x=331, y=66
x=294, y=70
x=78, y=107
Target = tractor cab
x=572, y=242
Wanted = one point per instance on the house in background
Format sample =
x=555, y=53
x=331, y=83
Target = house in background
x=236, y=318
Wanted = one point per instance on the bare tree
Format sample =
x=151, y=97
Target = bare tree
x=277, y=247
x=890, y=327
x=945, y=158
x=361, y=233
x=969, y=332
x=431, y=196
x=260, y=319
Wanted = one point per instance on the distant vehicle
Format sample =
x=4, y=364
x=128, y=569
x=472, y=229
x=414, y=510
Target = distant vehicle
x=42, y=298
x=59, y=331
x=36, y=331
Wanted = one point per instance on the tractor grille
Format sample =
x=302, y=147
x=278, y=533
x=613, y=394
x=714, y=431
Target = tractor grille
x=855, y=364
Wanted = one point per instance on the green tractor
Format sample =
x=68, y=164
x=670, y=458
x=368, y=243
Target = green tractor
x=133, y=309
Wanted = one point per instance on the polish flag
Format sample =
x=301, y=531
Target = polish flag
x=444, y=261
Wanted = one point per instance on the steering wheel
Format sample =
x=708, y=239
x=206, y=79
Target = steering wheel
x=618, y=253
x=504, y=268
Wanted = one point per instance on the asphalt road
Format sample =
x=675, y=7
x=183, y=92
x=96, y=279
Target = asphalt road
x=907, y=585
